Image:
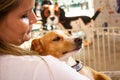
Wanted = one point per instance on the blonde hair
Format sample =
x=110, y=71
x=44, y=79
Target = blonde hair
x=7, y=6
x=7, y=48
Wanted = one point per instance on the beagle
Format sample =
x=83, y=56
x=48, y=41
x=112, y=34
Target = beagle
x=55, y=15
x=60, y=44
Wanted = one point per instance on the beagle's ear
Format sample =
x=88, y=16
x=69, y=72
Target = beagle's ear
x=37, y=46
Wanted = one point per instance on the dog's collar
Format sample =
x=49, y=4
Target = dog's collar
x=78, y=66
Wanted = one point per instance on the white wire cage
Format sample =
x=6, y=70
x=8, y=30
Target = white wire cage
x=104, y=54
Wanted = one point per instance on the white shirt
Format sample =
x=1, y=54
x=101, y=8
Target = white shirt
x=35, y=68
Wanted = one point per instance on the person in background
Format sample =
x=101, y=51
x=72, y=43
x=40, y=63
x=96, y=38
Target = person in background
x=16, y=19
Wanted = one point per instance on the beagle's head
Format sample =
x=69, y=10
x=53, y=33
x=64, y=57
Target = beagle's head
x=53, y=14
x=56, y=43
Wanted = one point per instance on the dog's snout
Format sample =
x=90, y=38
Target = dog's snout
x=78, y=41
x=52, y=18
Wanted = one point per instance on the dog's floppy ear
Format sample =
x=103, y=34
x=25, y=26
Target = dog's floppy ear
x=37, y=46
x=42, y=10
x=62, y=14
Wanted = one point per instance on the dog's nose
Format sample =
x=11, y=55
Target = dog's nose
x=78, y=41
x=52, y=18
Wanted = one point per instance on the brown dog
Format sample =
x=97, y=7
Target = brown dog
x=57, y=44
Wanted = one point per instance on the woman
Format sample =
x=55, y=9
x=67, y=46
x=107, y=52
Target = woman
x=16, y=19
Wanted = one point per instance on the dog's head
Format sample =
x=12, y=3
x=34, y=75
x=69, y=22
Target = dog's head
x=52, y=14
x=56, y=43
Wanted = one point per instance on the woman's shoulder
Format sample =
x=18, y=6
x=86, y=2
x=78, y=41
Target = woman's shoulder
x=36, y=67
x=26, y=58
x=31, y=66
x=13, y=57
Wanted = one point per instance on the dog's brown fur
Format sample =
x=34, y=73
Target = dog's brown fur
x=57, y=44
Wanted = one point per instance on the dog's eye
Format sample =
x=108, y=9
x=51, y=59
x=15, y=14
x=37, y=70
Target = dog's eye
x=56, y=12
x=47, y=13
x=56, y=39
